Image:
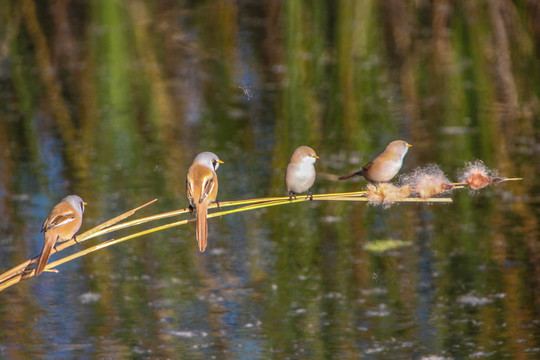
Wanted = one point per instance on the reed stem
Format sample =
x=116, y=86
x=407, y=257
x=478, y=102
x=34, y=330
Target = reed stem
x=22, y=271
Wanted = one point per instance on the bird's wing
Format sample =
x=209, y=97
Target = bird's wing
x=58, y=220
x=207, y=186
x=367, y=166
x=189, y=191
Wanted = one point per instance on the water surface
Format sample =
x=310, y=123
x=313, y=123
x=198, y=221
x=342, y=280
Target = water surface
x=111, y=100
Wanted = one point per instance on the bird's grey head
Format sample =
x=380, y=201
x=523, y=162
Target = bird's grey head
x=77, y=203
x=399, y=147
x=209, y=159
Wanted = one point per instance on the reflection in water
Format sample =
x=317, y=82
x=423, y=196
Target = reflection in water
x=113, y=99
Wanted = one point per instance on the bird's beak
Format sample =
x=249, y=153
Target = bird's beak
x=315, y=156
x=220, y=162
x=84, y=203
x=409, y=145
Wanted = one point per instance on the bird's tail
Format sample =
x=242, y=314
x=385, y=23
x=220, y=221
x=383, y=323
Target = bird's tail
x=201, y=230
x=358, y=173
x=45, y=254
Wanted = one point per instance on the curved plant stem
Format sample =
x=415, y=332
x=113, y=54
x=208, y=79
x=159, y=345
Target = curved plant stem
x=22, y=271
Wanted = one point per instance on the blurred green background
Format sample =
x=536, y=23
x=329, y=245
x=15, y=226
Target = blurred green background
x=112, y=99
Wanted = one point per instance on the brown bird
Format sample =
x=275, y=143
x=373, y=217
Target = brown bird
x=61, y=225
x=300, y=174
x=385, y=166
x=202, y=189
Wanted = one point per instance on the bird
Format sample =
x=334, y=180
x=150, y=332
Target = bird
x=202, y=189
x=385, y=166
x=300, y=174
x=61, y=225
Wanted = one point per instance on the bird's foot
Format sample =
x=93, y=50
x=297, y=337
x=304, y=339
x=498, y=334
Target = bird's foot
x=291, y=195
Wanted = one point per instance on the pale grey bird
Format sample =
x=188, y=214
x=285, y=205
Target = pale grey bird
x=300, y=174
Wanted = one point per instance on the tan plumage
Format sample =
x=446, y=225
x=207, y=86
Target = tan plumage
x=300, y=174
x=386, y=165
x=202, y=190
x=61, y=225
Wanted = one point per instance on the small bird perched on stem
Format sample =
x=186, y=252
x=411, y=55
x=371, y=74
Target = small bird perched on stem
x=61, y=225
x=300, y=174
x=385, y=166
x=202, y=189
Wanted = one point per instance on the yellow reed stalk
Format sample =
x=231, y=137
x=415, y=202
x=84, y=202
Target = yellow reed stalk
x=19, y=269
x=138, y=222
x=222, y=204
x=261, y=204
x=18, y=273
x=108, y=243
x=102, y=228
x=217, y=214
x=502, y=180
x=10, y=282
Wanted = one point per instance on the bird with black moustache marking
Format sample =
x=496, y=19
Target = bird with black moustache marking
x=202, y=190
